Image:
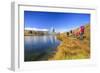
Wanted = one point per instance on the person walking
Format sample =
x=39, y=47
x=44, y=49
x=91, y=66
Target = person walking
x=81, y=32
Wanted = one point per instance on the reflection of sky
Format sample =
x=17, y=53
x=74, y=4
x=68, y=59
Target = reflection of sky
x=60, y=21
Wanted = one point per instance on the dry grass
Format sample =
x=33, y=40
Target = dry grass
x=73, y=48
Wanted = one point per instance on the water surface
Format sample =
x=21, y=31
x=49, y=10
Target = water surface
x=38, y=48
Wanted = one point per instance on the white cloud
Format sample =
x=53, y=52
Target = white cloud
x=36, y=29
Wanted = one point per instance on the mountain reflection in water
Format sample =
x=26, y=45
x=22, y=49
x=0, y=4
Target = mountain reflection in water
x=37, y=48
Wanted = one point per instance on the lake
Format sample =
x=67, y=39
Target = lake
x=38, y=48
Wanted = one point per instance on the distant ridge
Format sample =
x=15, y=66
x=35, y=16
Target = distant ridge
x=36, y=29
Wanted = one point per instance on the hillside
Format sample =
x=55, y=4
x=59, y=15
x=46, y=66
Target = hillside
x=72, y=47
x=35, y=33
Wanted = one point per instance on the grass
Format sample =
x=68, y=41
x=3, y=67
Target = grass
x=73, y=48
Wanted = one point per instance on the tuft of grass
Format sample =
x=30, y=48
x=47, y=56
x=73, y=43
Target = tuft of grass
x=71, y=48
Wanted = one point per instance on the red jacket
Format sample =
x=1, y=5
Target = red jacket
x=82, y=29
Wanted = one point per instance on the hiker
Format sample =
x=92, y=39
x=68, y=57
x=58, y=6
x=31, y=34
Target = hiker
x=77, y=33
x=81, y=32
x=67, y=33
x=71, y=33
x=74, y=34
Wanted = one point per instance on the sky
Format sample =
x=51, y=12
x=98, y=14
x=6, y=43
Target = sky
x=60, y=21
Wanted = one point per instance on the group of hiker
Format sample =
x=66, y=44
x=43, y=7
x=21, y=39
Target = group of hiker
x=77, y=34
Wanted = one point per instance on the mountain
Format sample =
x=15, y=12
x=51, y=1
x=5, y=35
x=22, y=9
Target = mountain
x=36, y=29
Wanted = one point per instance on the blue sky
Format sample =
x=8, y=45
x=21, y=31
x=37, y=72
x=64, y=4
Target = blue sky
x=60, y=21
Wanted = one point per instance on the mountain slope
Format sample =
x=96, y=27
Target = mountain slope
x=72, y=47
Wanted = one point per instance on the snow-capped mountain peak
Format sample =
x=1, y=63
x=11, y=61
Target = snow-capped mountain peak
x=35, y=29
